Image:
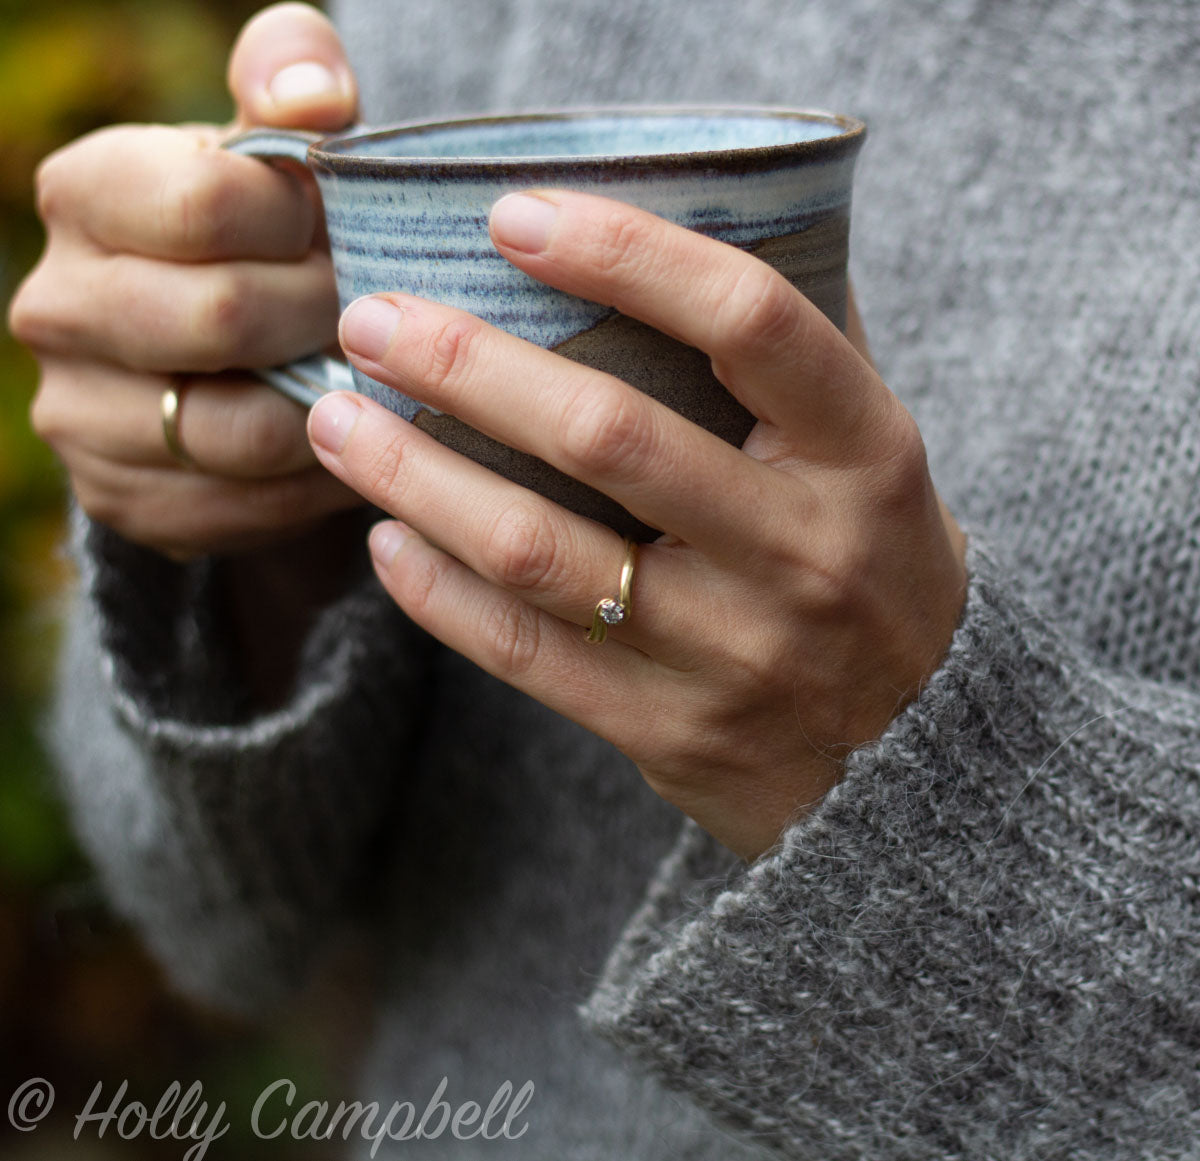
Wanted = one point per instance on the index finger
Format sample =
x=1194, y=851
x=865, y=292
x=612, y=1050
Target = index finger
x=173, y=193
x=769, y=345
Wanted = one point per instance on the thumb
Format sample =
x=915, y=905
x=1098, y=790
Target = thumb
x=288, y=68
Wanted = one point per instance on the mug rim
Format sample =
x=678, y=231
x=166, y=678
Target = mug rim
x=730, y=160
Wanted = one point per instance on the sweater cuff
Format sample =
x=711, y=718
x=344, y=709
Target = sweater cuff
x=166, y=652
x=235, y=842
x=965, y=950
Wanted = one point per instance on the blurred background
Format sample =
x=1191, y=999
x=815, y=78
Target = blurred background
x=80, y=1004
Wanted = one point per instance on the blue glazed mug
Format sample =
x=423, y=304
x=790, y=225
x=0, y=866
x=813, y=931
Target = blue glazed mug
x=407, y=210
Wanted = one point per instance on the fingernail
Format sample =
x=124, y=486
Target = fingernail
x=386, y=539
x=331, y=420
x=306, y=80
x=523, y=222
x=368, y=325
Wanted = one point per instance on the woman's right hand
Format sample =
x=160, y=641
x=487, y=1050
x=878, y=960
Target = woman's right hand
x=169, y=261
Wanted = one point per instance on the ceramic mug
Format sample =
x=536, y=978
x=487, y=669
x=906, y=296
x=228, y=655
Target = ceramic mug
x=407, y=209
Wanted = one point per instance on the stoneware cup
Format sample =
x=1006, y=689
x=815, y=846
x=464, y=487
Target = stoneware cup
x=407, y=210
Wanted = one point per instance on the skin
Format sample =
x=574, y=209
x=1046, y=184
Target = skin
x=806, y=586
x=169, y=260
x=167, y=257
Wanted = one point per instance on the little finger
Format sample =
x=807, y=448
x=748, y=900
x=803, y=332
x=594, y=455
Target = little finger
x=187, y=514
x=604, y=689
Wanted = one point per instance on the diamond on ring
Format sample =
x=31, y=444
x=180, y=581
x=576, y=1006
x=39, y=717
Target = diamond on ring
x=615, y=610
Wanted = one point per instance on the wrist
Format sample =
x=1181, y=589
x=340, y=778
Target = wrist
x=274, y=595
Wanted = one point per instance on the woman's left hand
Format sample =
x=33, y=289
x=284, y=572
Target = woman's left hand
x=806, y=586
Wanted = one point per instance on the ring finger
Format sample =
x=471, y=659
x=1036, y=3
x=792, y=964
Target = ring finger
x=185, y=513
x=229, y=425
x=508, y=535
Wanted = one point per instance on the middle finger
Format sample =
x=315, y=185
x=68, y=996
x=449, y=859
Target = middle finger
x=230, y=425
x=160, y=316
x=668, y=472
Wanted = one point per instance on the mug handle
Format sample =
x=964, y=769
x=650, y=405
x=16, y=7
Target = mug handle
x=304, y=380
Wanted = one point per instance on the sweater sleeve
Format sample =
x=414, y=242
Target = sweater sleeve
x=983, y=943
x=235, y=841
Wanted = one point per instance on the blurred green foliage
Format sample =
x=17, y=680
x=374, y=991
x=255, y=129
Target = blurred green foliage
x=65, y=69
x=79, y=1000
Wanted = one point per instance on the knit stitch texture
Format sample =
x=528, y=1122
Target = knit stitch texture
x=983, y=943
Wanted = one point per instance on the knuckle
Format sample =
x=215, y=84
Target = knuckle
x=106, y=499
x=624, y=244
x=196, y=206
x=899, y=470
x=760, y=310
x=702, y=743
x=606, y=429
x=99, y=505
x=909, y=463
x=512, y=630
x=451, y=351
x=27, y=317
x=523, y=550
x=51, y=184
x=656, y=735
x=381, y=469
x=59, y=176
x=220, y=322
x=699, y=734
x=834, y=585
x=737, y=666
x=39, y=313
x=421, y=581
x=49, y=419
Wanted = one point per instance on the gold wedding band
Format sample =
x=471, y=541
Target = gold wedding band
x=615, y=611
x=172, y=401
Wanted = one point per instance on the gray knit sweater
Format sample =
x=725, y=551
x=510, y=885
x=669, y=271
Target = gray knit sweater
x=985, y=942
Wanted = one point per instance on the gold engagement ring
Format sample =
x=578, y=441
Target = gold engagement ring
x=618, y=610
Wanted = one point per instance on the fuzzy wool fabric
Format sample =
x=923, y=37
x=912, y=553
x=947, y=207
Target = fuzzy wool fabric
x=984, y=943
